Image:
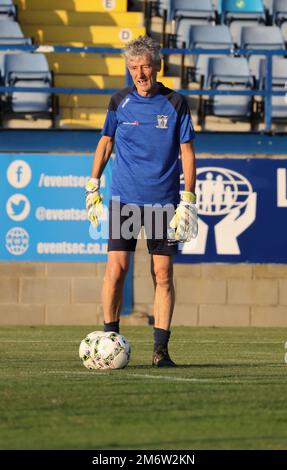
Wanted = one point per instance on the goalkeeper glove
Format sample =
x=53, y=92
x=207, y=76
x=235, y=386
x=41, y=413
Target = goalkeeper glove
x=94, y=201
x=184, y=224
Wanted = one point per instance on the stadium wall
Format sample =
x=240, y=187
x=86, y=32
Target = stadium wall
x=207, y=294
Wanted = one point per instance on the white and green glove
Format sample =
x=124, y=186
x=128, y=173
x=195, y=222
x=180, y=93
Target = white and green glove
x=94, y=201
x=184, y=225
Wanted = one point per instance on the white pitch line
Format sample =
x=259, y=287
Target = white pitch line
x=96, y=373
x=174, y=341
x=117, y=376
x=181, y=379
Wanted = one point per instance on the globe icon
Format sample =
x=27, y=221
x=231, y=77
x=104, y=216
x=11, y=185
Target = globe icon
x=219, y=190
x=17, y=241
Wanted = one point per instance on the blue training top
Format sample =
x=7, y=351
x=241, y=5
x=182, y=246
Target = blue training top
x=148, y=132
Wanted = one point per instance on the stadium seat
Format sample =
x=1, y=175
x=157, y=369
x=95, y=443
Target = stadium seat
x=196, y=11
x=191, y=16
x=268, y=5
x=28, y=70
x=207, y=37
x=11, y=34
x=260, y=37
x=237, y=14
x=7, y=10
x=240, y=7
x=279, y=12
x=2, y=58
x=228, y=73
x=279, y=74
x=164, y=6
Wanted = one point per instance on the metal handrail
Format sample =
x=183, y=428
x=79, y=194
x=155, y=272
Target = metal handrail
x=267, y=93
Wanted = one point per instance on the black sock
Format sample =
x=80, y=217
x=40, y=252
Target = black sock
x=112, y=326
x=161, y=338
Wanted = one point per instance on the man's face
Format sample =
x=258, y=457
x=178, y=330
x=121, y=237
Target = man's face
x=143, y=72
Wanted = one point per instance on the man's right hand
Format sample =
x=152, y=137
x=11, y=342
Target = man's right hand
x=94, y=201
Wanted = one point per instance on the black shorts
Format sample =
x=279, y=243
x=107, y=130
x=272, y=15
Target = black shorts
x=126, y=220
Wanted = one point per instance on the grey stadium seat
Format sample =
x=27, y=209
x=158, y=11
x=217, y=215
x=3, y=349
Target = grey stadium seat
x=260, y=37
x=208, y=37
x=164, y=5
x=279, y=76
x=268, y=4
x=11, y=34
x=229, y=73
x=2, y=58
x=197, y=11
x=279, y=11
x=7, y=10
x=28, y=70
x=189, y=13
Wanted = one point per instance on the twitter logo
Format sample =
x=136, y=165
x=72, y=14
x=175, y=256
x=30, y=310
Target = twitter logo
x=18, y=207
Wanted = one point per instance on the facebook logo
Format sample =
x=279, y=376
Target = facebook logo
x=19, y=174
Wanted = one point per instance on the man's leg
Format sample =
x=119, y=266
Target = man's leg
x=112, y=291
x=162, y=274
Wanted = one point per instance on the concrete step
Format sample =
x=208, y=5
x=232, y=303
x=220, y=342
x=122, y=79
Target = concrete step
x=90, y=64
x=74, y=5
x=93, y=35
x=89, y=81
x=68, y=18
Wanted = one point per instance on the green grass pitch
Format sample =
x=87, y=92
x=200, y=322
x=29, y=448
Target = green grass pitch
x=229, y=391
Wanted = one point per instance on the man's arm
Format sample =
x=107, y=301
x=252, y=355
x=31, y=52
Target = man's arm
x=102, y=154
x=184, y=223
x=188, y=166
x=94, y=200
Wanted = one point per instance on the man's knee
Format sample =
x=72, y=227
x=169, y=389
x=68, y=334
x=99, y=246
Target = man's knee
x=163, y=276
x=116, y=270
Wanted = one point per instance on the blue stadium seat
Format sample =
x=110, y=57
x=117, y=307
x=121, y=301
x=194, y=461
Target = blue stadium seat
x=28, y=70
x=228, y=73
x=279, y=74
x=260, y=37
x=11, y=34
x=279, y=12
x=239, y=13
x=7, y=9
x=207, y=37
x=240, y=6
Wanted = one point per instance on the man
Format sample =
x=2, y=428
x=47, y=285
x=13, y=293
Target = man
x=150, y=125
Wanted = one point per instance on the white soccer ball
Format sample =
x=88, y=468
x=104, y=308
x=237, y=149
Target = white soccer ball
x=100, y=350
x=85, y=349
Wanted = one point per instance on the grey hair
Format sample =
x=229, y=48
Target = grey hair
x=143, y=45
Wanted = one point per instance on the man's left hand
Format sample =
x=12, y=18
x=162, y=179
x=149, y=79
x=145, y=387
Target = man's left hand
x=184, y=223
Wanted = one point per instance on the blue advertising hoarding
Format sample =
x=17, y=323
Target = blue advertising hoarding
x=242, y=208
x=42, y=211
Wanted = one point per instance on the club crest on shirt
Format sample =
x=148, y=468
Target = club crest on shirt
x=161, y=122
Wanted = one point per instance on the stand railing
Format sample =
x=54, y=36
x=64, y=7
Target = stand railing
x=266, y=93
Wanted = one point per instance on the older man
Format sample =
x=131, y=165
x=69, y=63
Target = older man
x=150, y=125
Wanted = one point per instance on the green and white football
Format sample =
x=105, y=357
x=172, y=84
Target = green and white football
x=100, y=350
